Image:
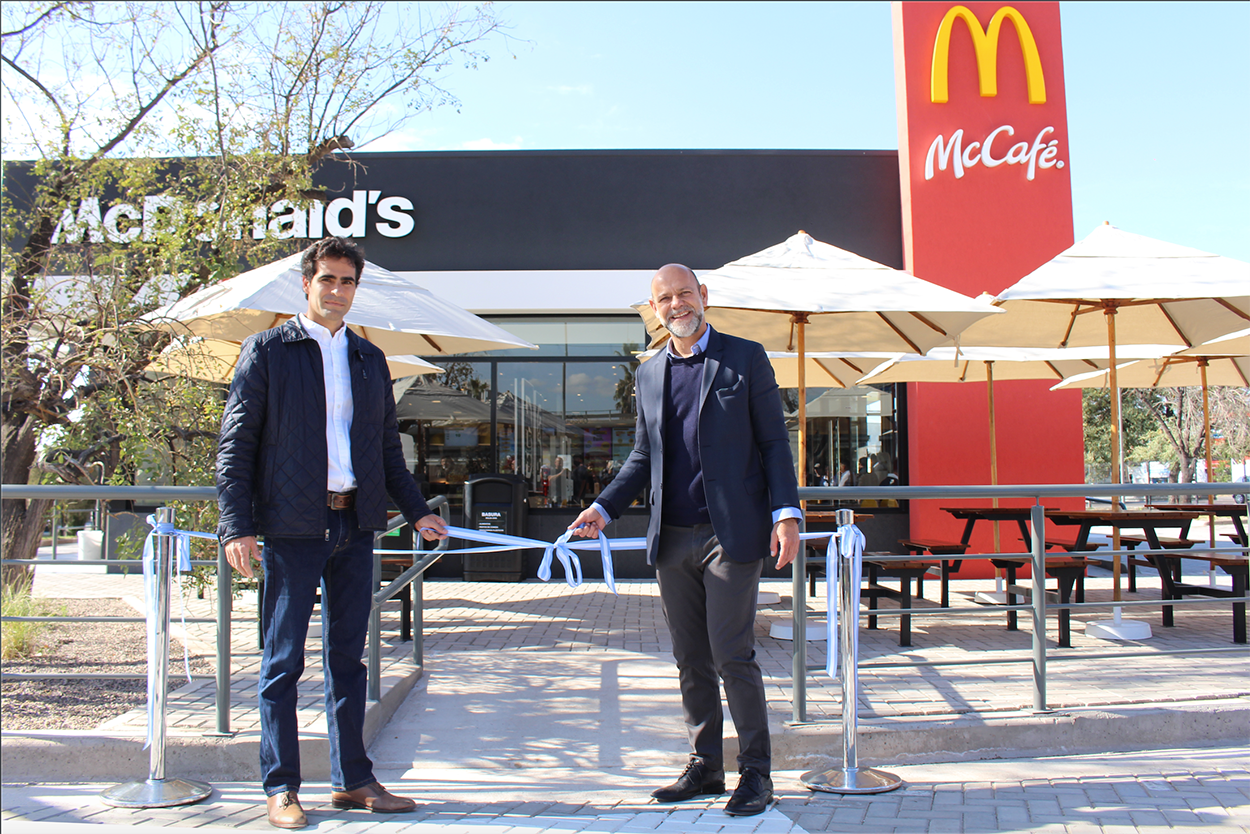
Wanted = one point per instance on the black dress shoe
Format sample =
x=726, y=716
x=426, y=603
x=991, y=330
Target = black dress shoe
x=752, y=796
x=698, y=779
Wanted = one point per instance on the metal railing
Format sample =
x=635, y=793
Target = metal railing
x=412, y=578
x=1038, y=606
x=149, y=496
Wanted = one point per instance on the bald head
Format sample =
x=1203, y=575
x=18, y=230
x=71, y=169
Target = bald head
x=678, y=300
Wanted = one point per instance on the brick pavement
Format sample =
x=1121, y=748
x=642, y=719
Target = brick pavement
x=495, y=735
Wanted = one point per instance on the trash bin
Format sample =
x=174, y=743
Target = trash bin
x=495, y=503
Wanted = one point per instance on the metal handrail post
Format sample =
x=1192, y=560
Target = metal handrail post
x=224, y=600
x=157, y=791
x=375, y=629
x=850, y=779
x=55, y=506
x=1037, y=520
x=798, y=634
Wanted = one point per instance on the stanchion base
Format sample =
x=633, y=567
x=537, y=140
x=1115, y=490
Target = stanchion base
x=767, y=598
x=156, y=793
x=785, y=631
x=1119, y=630
x=851, y=780
x=991, y=597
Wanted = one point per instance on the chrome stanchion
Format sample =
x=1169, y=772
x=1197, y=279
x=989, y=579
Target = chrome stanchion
x=156, y=791
x=850, y=778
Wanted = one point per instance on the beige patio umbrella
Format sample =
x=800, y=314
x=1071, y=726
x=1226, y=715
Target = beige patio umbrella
x=1115, y=288
x=987, y=364
x=851, y=303
x=394, y=313
x=1223, y=362
x=820, y=370
x=214, y=360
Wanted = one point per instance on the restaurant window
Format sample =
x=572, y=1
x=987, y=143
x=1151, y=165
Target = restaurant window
x=542, y=414
x=853, y=430
x=562, y=416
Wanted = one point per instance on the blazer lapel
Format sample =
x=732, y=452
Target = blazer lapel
x=711, y=364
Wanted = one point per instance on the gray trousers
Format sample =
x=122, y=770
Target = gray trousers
x=709, y=604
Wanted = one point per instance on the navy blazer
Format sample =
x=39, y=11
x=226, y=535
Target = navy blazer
x=744, y=447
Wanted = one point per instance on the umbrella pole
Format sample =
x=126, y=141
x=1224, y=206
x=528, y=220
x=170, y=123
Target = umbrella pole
x=1206, y=442
x=998, y=546
x=800, y=321
x=1117, y=628
x=1116, y=475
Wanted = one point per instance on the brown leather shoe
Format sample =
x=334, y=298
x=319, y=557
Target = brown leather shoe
x=373, y=798
x=285, y=811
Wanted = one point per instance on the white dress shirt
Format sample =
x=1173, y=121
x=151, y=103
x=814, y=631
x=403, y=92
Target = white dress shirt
x=339, y=406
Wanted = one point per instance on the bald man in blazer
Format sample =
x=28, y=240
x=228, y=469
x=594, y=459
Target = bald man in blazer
x=712, y=444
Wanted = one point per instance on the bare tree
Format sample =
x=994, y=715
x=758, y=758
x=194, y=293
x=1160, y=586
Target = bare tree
x=213, y=106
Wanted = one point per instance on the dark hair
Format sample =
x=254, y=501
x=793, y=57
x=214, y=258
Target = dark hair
x=331, y=247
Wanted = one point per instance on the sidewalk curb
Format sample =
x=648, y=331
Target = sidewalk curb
x=68, y=756
x=86, y=756
x=1097, y=729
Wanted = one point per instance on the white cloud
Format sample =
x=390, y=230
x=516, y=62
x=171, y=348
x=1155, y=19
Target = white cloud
x=573, y=89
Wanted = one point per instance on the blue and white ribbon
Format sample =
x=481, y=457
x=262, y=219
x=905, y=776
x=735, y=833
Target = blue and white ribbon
x=561, y=549
x=151, y=576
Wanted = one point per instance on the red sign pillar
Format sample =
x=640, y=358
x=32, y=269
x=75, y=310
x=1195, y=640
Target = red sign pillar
x=987, y=198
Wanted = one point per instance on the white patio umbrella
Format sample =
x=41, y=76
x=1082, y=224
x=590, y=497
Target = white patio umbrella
x=1147, y=290
x=852, y=303
x=215, y=359
x=397, y=315
x=821, y=370
x=988, y=364
x=1219, y=362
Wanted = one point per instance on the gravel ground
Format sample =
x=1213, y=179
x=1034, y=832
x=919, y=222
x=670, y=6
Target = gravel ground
x=118, y=648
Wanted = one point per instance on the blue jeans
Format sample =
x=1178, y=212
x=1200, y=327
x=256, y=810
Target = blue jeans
x=342, y=565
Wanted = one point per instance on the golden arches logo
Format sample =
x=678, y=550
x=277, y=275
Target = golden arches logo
x=985, y=43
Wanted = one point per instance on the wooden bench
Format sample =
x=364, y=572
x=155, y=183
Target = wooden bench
x=1133, y=562
x=939, y=548
x=904, y=572
x=1238, y=567
x=1069, y=572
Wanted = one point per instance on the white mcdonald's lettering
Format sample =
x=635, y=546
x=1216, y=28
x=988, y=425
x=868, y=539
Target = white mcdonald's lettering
x=959, y=157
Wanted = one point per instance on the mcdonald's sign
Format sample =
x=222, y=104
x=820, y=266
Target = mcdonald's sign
x=985, y=44
x=985, y=180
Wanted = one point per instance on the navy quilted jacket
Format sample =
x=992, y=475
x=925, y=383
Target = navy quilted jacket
x=272, y=462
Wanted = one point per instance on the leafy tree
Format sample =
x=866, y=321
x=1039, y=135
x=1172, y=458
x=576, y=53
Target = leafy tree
x=213, y=107
x=1166, y=425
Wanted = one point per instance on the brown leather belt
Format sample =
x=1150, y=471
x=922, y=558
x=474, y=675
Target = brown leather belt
x=341, y=500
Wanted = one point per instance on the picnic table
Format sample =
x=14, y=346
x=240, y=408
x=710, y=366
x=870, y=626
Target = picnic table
x=1166, y=562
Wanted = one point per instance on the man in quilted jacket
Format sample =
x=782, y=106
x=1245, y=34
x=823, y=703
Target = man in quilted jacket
x=309, y=451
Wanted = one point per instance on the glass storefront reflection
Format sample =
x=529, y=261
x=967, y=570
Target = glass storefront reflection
x=852, y=437
x=565, y=427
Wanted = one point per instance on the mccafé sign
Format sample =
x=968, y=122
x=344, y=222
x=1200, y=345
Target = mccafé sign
x=1035, y=148
x=353, y=216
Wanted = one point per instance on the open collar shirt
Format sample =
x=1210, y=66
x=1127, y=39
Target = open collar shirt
x=339, y=406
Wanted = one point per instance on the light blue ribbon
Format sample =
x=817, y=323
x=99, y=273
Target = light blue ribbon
x=181, y=562
x=561, y=549
x=850, y=546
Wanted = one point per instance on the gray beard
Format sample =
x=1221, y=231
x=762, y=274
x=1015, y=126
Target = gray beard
x=689, y=328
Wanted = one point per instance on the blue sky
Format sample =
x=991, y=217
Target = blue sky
x=1158, y=96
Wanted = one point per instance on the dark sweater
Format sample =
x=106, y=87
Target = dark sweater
x=685, y=504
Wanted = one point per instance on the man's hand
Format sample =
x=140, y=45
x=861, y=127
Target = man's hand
x=785, y=541
x=432, y=527
x=590, y=522
x=241, y=552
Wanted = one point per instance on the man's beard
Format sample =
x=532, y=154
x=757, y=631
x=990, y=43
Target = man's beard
x=687, y=328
